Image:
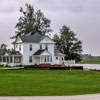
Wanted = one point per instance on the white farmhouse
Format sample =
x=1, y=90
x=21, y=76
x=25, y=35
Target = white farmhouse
x=33, y=49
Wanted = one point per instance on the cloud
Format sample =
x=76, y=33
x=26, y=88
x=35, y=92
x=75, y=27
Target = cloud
x=83, y=17
x=7, y=6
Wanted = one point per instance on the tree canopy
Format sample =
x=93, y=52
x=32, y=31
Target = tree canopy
x=68, y=44
x=3, y=49
x=32, y=20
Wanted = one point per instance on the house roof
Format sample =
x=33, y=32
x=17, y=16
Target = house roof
x=12, y=53
x=42, y=52
x=33, y=37
x=58, y=53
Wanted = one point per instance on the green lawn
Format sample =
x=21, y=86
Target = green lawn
x=48, y=82
x=92, y=61
x=1, y=66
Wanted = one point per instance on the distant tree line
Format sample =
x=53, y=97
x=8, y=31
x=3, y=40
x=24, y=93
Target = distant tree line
x=89, y=56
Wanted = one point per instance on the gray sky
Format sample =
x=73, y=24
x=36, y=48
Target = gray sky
x=82, y=16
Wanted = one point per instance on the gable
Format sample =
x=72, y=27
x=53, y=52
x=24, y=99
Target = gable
x=46, y=53
x=18, y=40
x=46, y=39
x=6, y=54
x=42, y=52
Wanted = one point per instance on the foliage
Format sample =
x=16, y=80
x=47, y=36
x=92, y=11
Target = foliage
x=32, y=20
x=48, y=83
x=68, y=44
x=91, y=60
x=3, y=49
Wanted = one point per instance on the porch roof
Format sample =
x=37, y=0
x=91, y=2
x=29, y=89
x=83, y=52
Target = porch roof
x=17, y=53
x=58, y=53
x=40, y=52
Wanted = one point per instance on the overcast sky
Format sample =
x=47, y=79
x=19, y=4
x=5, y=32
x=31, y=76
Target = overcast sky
x=82, y=16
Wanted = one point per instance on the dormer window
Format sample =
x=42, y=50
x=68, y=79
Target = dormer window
x=40, y=46
x=30, y=47
x=46, y=47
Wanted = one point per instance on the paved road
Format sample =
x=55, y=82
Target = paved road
x=11, y=68
x=78, y=97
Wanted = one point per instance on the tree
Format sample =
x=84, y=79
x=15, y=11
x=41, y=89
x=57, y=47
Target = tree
x=68, y=44
x=3, y=46
x=30, y=20
x=3, y=49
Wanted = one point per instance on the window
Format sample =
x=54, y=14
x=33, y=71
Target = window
x=62, y=58
x=4, y=59
x=40, y=46
x=30, y=59
x=46, y=58
x=30, y=47
x=51, y=58
x=0, y=58
x=7, y=59
x=56, y=58
x=11, y=59
x=19, y=47
x=46, y=47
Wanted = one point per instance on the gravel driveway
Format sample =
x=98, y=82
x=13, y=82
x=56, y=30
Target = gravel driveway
x=77, y=97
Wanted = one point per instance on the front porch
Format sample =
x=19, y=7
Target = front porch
x=13, y=60
x=43, y=58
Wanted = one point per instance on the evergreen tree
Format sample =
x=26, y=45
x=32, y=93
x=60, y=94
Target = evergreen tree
x=68, y=44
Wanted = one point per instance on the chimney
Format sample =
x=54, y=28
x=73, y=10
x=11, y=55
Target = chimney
x=33, y=31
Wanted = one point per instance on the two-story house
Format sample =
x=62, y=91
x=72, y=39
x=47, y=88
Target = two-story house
x=33, y=49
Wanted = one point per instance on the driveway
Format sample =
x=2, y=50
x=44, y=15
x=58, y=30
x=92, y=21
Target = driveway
x=77, y=97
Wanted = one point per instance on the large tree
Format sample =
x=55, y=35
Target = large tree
x=3, y=49
x=30, y=20
x=68, y=44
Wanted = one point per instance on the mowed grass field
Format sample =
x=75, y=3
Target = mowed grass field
x=48, y=82
x=91, y=61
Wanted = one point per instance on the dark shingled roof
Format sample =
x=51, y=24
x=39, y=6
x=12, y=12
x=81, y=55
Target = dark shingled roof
x=12, y=53
x=38, y=52
x=57, y=53
x=32, y=37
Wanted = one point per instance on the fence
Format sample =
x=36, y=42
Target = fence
x=87, y=66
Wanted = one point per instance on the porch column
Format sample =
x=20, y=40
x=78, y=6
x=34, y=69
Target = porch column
x=1, y=59
x=50, y=59
x=12, y=59
x=9, y=59
x=40, y=59
x=6, y=59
